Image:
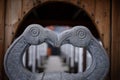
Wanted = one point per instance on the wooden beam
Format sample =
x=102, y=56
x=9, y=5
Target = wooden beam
x=115, y=52
x=2, y=35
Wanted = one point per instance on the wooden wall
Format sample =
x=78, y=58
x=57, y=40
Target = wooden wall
x=115, y=47
x=98, y=11
x=2, y=16
x=13, y=14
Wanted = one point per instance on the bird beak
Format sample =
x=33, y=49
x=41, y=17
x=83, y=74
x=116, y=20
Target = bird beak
x=51, y=37
x=64, y=38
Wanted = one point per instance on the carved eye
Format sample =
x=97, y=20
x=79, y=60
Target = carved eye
x=81, y=34
x=34, y=31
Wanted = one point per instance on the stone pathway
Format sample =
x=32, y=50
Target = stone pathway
x=55, y=64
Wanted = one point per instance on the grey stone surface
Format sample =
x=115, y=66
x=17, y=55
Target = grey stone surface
x=33, y=35
x=78, y=36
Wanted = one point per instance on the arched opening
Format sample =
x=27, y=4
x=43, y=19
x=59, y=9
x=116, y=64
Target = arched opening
x=56, y=14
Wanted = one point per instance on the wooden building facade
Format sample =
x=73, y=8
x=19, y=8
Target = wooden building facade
x=105, y=15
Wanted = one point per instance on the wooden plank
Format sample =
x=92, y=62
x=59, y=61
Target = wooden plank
x=2, y=12
x=1, y=59
x=89, y=7
x=27, y=5
x=73, y=1
x=15, y=11
x=115, y=55
x=1, y=19
x=8, y=36
x=102, y=21
x=13, y=14
x=8, y=12
x=68, y=1
x=7, y=22
x=54, y=0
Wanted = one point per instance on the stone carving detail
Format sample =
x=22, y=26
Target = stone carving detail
x=13, y=58
x=81, y=33
x=78, y=36
x=34, y=31
x=82, y=37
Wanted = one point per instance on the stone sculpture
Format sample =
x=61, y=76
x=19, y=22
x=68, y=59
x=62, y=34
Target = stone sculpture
x=35, y=34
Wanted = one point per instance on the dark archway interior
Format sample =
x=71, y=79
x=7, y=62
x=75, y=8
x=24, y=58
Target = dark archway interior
x=57, y=13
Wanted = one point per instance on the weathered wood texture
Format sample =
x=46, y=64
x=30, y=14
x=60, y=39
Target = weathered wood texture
x=115, y=55
x=13, y=14
x=2, y=10
x=102, y=20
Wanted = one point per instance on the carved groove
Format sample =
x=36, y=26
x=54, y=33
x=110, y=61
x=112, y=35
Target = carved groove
x=34, y=31
x=81, y=34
